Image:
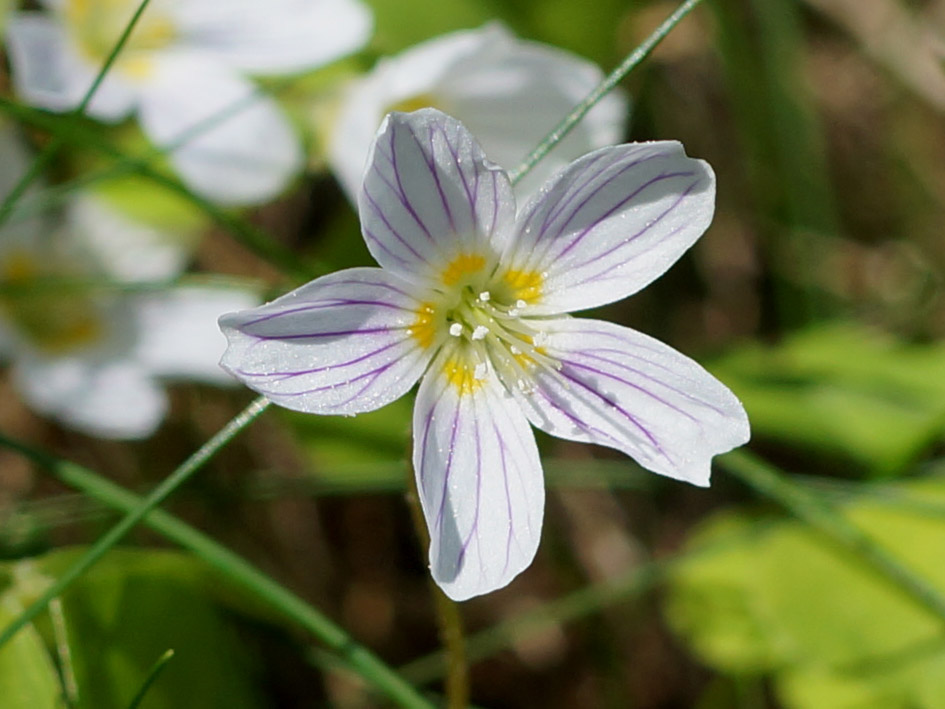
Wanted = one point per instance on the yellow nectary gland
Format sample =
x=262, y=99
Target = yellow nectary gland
x=53, y=322
x=97, y=25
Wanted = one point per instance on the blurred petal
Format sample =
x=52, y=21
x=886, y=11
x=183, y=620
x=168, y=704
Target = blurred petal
x=479, y=478
x=105, y=398
x=178, y=333
x=342, y=344
x=612, y=222
x=508, y=92
x=127, y=249
x=511, y=93
x=429, y=195
x=243, y=149
x=49, y=72
x=275, y=36
x=619, y=388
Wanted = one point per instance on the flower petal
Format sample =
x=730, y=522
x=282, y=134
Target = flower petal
x=125, y=248
x=619, y=388
x=342, y=344
x=508, y=92
x=49, y=71
x=108, y=398
x=243, y=149
x=480, y=481
x=429, y=193
x=275, y=36
x=611, y=223
x=178, y=337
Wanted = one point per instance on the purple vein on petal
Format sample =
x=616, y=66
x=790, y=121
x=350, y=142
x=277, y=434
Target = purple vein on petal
x=644, y=230
x=334, y=333
x=374, y=373
x=275, y=377
x=386, y=222
x=626, y=367
x=503, y=452
x=323, y=305
x=474, y=529
x=434, y=170
x=448, y=467
x=404, y=200
x=642, y=390
x=616, y=407
x=652, y=181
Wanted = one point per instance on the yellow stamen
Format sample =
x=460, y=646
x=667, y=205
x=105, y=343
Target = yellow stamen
x=462, y=265
x=461, y=376
x=525, y=285
x=423, y=329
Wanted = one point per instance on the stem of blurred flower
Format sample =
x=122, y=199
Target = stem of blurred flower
x=815, y=509
x=448, y=616
x=43, y=160
x=233, y=567
x=602, y=89
x=245, y=233
x=155, y=498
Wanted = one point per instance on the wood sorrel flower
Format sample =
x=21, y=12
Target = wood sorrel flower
x=474, y=300
x=185, y=70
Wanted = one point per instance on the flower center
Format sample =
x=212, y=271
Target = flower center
x=97, y=24
x=52, y=322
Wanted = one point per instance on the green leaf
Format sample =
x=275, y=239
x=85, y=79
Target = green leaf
x=28, y=678
x=134, y=606
x=845, y=391
x=775, y=597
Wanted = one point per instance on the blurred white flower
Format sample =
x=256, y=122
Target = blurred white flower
x=509, y=92
x=184, y=72
x=93, y=357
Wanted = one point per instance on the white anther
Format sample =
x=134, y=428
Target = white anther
x=540, y=339
x=514, y=350
x=480, y=332
x=520, y=303
x=456, y=329
x=484, y=296
x=480, y=371
x=513, y=312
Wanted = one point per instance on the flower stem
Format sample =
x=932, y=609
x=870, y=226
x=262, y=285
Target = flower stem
x=235, y=568
x=52, y=149
x=155, y=498
x=602, y=89
x=815, y=509
x=448, y=617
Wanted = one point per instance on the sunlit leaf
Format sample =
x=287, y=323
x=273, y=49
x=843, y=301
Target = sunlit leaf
x=846, y=391
x=784, y=601
x=28, y=678
x=133, y=607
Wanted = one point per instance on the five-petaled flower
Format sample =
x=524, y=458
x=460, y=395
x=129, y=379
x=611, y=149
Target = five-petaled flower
x=475, y=300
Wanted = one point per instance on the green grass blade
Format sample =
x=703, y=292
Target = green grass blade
x=235, y=568
x=157, y=496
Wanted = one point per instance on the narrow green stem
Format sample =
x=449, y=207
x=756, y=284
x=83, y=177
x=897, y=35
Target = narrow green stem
x=156, y=670
x=603, y=88
x=53, y=148
x=235, y=568
x=815, y=509
x=250, y=236
x=133, y=517
x=447, y=613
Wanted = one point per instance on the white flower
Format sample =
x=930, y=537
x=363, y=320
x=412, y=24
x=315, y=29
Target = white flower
x=94, y=358
x=510, y=93
x=474, y=299
x=183, y=69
